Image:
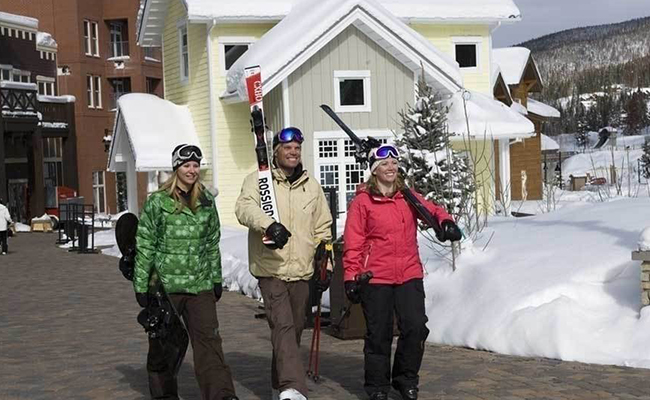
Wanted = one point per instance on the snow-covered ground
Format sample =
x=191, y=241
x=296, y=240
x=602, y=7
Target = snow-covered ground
x=559, y=285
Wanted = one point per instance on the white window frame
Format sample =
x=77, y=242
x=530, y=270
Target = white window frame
x=48, y=85
x=96, y=191
x=92, y=39
x=5, y=69
x=183, y=52
x=477, y=41
x=232, y=41
x=364, y=75
x=341, y=160
x=98, y=91
x=94, y=91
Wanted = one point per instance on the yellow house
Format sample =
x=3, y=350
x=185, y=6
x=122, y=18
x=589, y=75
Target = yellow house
x=362, y=57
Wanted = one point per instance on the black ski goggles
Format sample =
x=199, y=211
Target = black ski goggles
x=385, y=151
x=290, y=135
x=186, y=152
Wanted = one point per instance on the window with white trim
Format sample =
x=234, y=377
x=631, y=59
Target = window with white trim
x=46, y=86
x=16, y=75
x=99, y=192
x=231, y=48
x=94, y=91
x=335, y=164
x=466, y=52
x=184, y=53
x=352, y=91
x=91, y=38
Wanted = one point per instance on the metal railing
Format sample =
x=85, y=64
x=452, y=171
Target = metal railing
x=119, y=49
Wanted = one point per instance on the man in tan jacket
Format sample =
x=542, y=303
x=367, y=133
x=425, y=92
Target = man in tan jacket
x=284, y=269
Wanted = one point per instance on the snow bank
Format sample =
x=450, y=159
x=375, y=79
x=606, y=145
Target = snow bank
x=570, y=293
x=598, y=163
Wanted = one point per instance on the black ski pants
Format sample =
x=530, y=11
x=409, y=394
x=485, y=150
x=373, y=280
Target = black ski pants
x=3, y=241
x=379, y=303
x=212, y=373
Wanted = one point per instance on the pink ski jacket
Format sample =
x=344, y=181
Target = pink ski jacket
x=381, y=236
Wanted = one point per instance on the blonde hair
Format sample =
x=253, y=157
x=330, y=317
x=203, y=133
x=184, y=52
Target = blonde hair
x=373, y=186
x=170, y=186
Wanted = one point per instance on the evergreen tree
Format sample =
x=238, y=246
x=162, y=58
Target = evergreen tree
x=582, y=127
x=636, y=112
x=433, y=168
x=645, y=161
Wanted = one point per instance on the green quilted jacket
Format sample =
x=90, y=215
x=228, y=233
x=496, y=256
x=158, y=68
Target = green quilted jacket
x=183, y=247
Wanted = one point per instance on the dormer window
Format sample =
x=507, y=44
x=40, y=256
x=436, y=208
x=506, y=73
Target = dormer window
x=352, y=91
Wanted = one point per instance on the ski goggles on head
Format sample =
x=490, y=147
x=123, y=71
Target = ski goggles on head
x=290, y=135
x=186, y=152
x=384, y=152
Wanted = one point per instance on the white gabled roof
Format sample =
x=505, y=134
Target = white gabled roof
x=415, y=10
x=313, y=23
x=541, y=109
x=512, y=61
x=487, y=118
x=149, y=128
x=153, y=12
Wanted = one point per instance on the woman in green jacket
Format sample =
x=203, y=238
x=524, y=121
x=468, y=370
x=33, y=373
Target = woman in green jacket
x=178, y=239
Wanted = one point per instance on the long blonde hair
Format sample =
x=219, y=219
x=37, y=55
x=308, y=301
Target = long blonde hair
x=170, y=186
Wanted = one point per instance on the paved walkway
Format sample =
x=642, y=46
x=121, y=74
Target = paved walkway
x=68, y=331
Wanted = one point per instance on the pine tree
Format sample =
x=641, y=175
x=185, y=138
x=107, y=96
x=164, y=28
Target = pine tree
x=582, y=127
x=433, y=168
x=645, y=161
x=636, y=112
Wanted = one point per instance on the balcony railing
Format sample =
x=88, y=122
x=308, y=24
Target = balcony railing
x=18, y=99
x=119, y=49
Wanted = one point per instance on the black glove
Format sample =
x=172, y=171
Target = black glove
x=279, y=234
x=142, y=299
x=323, y=284
x=353, y=292
x=218, y=291
x=451, y=231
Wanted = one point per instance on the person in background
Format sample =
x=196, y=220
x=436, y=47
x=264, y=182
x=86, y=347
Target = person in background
x=5, y=221
x=380, y=237
x=178, y=238
x=284, y=269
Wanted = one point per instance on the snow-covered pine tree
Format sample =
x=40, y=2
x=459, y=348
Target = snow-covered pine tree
x=433, y=168
x=645, y=161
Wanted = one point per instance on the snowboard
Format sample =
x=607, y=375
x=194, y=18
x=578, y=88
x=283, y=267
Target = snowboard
x=159, y=319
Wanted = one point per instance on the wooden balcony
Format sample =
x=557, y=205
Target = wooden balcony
x=18, y=100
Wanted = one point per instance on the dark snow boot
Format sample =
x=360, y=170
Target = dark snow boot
x=409, y=393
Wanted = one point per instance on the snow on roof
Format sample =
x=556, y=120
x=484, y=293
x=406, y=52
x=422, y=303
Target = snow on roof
x=56, y=99
x=18, y=85
x=516, y=106
x=548, y=143
x=541, y=109
x=512, y=61
x=305, y=28
x=487, y=117
x=18, y=20
x=45, y=39
x=154, y=126
x=415, y=10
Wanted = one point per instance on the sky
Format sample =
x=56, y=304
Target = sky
x=541, y=17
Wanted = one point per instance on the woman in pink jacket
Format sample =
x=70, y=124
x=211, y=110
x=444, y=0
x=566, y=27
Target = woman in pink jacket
x=381, y=238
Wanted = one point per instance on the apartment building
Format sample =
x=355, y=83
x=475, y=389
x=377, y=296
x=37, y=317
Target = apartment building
x=97, y=62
